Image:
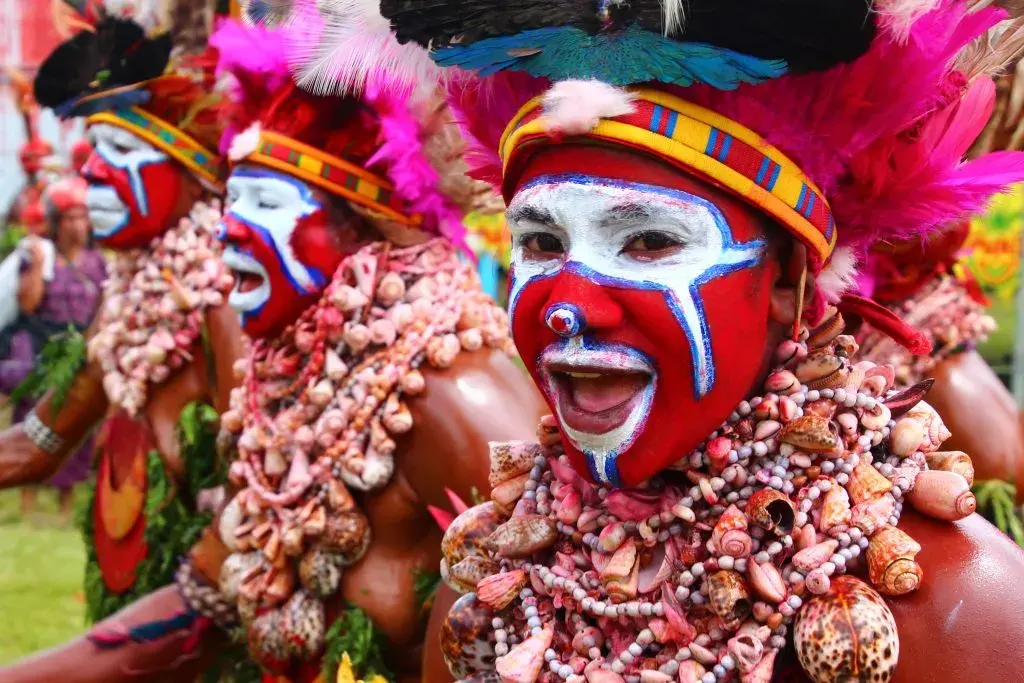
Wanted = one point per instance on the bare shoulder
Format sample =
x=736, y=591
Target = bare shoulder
x=967, y=620
x=485, y=396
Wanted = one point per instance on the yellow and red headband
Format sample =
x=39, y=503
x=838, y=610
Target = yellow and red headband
x=331, y=173
x=173, y=141
x=704, y=143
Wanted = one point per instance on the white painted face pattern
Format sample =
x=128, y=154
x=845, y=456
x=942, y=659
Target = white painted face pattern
x=594, y=219
x=271, y=204
x=127, y=152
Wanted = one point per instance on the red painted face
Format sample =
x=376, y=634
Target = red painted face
x=134, y=188
x=282, y=247
x=640, y=306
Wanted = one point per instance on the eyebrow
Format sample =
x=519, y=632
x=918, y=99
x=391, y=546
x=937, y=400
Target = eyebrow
x=627, y=212
x=532, y=214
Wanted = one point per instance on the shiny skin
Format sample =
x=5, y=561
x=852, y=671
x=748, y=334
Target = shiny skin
x=483, y=397
x=983, y=416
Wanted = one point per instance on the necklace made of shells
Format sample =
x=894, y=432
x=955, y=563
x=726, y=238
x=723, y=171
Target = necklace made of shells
x=946, y=313
x=704, y=573
x=315, y=416
x=153, y=306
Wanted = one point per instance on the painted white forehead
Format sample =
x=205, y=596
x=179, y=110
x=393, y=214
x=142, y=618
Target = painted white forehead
x=109, y=133
x=597, y=194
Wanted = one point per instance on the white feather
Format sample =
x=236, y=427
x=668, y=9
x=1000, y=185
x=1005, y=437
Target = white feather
x=245, y=143
x=675, y=15
x=355, y=47
x=576, y=107
x=838, y=275
x=899, y=15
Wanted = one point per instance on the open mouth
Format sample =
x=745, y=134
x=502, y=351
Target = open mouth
x=252, y=285
x=597, y=392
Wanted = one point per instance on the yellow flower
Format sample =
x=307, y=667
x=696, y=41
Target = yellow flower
x=347, y=675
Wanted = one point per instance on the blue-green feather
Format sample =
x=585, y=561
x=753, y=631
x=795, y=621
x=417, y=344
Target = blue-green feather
x=566, y=52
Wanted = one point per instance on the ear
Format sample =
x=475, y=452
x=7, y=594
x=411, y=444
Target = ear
x=794, y=289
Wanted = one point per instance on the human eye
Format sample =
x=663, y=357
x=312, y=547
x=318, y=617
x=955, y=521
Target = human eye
x=651, y=245
x=541, y=246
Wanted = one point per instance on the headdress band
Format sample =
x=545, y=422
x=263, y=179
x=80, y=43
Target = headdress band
x=331, y=173
x=710, y=145
x=170, y=139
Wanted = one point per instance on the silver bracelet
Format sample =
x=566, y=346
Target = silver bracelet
x=42, y=436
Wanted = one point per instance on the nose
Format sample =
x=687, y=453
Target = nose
x=233, y=230
x=578, y=304
x=95, y=169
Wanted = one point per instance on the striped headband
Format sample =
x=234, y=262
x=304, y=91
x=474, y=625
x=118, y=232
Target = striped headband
x=178, y=144
x=331, y=173
x=709, y=145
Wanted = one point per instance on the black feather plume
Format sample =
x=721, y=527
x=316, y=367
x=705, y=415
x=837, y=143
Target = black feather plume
x=118, y=55
x=807, y=34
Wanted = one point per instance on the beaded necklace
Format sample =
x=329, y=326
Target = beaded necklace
x=703, y=573
x=153, y=306
x=314, y=418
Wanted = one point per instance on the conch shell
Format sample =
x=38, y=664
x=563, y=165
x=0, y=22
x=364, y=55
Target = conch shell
x=850, y=628
x=812, y=433
x=728, y=597
x=867, y=483
x=835, y=509
x=943, y=495
x=891, y=564
x=952, y=461
x=772, y=510
x=524, y=662
x=821, y=370
x=499, y=590
x=522, y=536
x=730, y=536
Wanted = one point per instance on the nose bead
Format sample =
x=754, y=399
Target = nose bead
x=565, y=320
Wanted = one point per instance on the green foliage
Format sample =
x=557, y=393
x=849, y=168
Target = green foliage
x=10, y=238
x=996, y=502
x=233, y=666
x=355, y=634
x=172, y=524
x=56, y=367
x=425, y=584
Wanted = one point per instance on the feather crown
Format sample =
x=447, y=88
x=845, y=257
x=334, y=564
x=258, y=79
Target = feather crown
x=880, y=127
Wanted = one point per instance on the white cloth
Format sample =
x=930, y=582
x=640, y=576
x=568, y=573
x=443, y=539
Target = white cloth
x=10, y=275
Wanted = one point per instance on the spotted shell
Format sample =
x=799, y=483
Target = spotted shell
x=523, y=535
x=466, y=535
x=467, y=638
x=848, y=634
x=320, y=572
x=234, y=570
x=267, y=643
x=512, y=458
x=812, y=433
x=305, y=624
x=729, y=597
x=821, y=370
x=348, y=535
x=891, y=564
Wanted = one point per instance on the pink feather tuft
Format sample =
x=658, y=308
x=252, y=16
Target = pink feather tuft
x=403, y=156
x=256, y=61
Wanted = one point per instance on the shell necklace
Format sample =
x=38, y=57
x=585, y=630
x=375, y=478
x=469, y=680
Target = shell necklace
x=153, y=306
x=315, y=417
x=704, y=573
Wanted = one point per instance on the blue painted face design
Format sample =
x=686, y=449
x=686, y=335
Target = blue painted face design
x=610, y=310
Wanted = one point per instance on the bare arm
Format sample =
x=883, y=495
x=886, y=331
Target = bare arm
x=228, y=344
x=31, y=287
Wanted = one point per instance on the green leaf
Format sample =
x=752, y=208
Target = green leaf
x=425, y=584
x=355, y=634
x=56, y=367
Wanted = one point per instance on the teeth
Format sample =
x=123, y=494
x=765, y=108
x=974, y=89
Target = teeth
x=584, y=375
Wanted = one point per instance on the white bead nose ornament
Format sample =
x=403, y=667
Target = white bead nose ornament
x=565, y=320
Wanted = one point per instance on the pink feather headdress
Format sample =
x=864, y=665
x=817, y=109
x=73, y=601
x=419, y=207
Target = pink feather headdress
x=368, y=111
x=883, y=137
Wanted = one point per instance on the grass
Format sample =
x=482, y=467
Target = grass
x=41, y=565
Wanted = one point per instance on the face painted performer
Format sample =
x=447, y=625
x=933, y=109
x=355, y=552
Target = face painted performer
x=164, y=341
x=378, y=373
x=716, y=496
